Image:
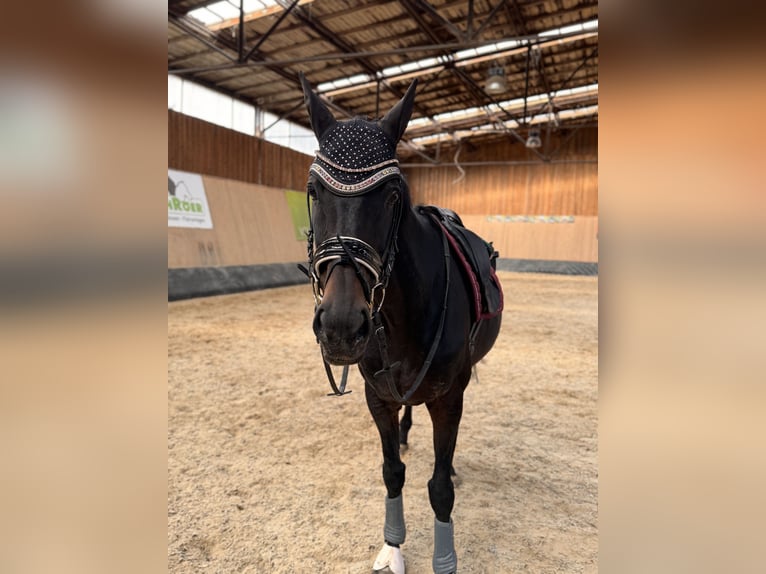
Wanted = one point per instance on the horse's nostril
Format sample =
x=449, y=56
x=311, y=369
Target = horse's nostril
x=364, y=329
x=317, y=325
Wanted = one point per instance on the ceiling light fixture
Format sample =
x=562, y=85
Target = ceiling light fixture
x=533, y=140
x=495, y=80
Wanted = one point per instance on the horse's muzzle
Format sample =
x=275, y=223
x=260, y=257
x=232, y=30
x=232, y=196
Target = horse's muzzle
x=343, y=338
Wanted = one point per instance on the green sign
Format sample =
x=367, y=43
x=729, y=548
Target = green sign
x=296, y=201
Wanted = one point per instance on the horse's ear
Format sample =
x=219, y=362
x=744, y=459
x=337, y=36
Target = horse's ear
x=397, y=119
x=321, y=118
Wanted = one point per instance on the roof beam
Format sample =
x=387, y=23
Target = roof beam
x=253, y=16
x=268, y=33
x=473, y=125
x=490, y=18
x=578, y=68
x=188, y=57
x=326, y=34
x=512, y=110
x=533, y=39
x=331, y=37
x=440, y=47
x=203, y=34
x=561, y=63
x=199, y=33
x=466, y=132
x=428, y=31
x=193, y=5
x=469, y=23
x=522, y=23
x=417, y=6
x=513, y=133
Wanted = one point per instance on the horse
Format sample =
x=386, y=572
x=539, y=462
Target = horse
x=392, y=298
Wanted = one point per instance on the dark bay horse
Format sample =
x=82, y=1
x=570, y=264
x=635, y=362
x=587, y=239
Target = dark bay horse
x=391, y=298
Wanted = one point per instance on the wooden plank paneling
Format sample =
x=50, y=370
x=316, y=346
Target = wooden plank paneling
x=577, y=241
x=557, y=189
x=251, y=224
x=201, y=147
x=533, y=188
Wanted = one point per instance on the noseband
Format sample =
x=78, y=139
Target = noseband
x=343, y=250
x=353, y=252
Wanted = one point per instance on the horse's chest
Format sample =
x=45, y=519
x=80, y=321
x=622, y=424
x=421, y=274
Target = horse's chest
x=436, y=381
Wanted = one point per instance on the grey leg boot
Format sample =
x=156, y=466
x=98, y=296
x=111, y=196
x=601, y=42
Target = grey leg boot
x=445, y=558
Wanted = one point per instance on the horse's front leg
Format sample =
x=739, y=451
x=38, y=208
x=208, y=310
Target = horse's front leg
x=405, y=424
x=386, y=417
x=445, y=416
x=404, y=427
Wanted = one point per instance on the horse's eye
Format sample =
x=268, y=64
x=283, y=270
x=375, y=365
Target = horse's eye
x=393, y=198
x=311, y=191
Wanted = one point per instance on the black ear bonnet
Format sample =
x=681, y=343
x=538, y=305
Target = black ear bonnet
x=355, y=156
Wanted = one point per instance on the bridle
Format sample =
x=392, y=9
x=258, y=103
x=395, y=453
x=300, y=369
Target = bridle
x=351, y=251
x=346, y=250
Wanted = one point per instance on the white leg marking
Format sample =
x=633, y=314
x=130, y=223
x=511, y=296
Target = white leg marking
x=389, y=557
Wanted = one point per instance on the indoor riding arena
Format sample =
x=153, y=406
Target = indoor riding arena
x=266, y=472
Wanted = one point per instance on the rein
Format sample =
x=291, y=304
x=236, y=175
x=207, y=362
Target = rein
x=343, y=250
x=380, y=333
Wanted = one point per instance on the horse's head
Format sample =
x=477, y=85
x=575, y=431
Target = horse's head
x=357, y=196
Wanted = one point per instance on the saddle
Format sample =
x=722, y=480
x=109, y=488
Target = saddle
x=477, y=258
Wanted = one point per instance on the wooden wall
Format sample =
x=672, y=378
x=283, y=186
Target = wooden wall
x=252, y=224
x=251, y=220
x=576, y=241
x=201, y=147
x=528, y=186
x=533, y=188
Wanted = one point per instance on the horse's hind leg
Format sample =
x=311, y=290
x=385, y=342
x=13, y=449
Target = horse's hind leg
x=386, y=417
x=404, y=427
x=445, y=416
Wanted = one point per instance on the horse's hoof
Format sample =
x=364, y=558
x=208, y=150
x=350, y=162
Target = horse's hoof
x=389, y=561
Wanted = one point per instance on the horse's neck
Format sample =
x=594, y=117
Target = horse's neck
x=415, y=288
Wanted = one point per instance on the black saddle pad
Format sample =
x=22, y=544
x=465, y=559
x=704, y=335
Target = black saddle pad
x=480, y=256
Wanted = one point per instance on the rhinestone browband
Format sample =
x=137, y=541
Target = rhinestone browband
x=355, y=188
x=352, y=169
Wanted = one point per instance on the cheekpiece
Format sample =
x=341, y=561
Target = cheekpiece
x=355, y=156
